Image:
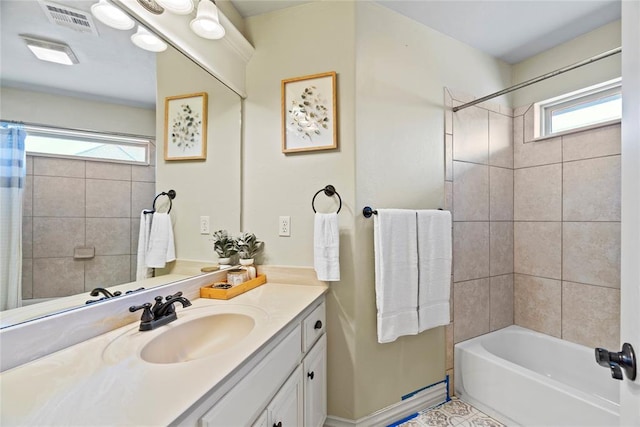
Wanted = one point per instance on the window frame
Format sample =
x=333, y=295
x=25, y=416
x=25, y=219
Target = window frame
x=545, y=109
x=112, y=138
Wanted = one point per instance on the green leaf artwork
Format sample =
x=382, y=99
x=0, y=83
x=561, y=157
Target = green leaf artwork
x=185, y=128
x=308, y=115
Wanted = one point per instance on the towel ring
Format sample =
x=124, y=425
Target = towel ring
x=329, y=191
x=171, y=194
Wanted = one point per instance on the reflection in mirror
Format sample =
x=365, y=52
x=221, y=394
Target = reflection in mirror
x=80, y=218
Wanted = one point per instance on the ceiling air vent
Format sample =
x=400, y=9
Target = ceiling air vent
x=69, y=17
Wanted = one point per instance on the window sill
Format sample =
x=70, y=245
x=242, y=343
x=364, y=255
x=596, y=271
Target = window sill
x=576, y=130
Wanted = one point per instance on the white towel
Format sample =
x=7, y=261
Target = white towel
x=434, y=268
x=396, y=263
x=142, y=272
x=326, y=246
x=161, y=249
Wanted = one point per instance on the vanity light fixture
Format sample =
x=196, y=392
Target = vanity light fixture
x=207, y=23
x=179, y=7
x=112, y=16
x=144, y=39
x=47, y=50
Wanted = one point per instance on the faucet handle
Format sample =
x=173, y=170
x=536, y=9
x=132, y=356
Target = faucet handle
x=147, y=316
x=176, y=295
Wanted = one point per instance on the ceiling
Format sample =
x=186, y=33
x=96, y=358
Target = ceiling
x=112, y=69
x=512, y=30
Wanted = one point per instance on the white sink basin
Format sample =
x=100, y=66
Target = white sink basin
x=199, y=332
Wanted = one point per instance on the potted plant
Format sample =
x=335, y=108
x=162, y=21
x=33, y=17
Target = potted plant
x=248, y=247
x=224, y=245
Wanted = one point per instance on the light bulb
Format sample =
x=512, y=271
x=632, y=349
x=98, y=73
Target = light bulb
x=148, y=41
x=179, y=7
x=110, y=15
x=206, y=23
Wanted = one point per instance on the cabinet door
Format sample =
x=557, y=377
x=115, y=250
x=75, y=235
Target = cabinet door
x=315, y=384
x=286, y=407
x=262, y=421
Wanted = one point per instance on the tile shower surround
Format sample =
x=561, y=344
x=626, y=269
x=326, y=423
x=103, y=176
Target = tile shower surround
x=71, y=203
x=536, y=230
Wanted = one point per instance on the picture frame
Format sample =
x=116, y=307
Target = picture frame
x=309, y=113
x=185, y=127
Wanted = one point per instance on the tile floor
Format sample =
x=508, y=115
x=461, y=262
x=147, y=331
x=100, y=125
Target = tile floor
x=453, y=413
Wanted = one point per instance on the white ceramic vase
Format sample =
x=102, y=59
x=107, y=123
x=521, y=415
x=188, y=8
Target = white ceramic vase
x=248, y=265
x=224, y=261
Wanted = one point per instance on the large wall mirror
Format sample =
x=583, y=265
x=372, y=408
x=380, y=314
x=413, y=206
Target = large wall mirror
x=73, y=204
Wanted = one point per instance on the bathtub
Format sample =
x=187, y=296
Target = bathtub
x=522, y=377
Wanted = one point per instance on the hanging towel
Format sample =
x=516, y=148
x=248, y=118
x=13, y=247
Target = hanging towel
x=396, y=267
x=434, y=268
x=326, y=245
x=142, y=271
x=161, y=249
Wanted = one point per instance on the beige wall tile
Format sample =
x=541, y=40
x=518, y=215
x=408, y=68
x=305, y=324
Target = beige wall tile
x=448, y=158
x=471, y=310
x=152, y=154
x=50, y=166
x=105, y=271
x=143, y=173
x=106, y=198
x=500, y=194
x=57, y=277
x=104, y=170
x=598, y=142
x=537, y=153
x=591, y=253
x=27, y=278
x=591, y=190
x=135, y=232
x=591, y=315
x=57, y=237
x=538, y=193
x=537, y=304
x=518, y=132
x=507, y=111
x=110, y=236
x=529, y=124
x=501, y=302
x=470, y=250
x=538, y=248
x=448, y=196
x=471, y=135
x=29, y=165
x=500, y=140
x=142, y=195
x=470, y=192
x=519, y=111
x=27, y=237
x=501, y=248
x=59, y=197
x=133, y=268
x=448, y=334
x=27, y=200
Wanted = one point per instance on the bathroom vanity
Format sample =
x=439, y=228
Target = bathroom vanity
x=258, y=359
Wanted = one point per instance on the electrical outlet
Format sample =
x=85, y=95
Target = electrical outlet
x=204, y=225
x=284, y=226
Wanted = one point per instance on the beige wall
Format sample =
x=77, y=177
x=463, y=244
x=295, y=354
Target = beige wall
x=208, y=187
x=593, y=43
x=70, y=112
x=390, y=94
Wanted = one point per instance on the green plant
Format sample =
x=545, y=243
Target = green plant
x=248, y=245
x=224, y=245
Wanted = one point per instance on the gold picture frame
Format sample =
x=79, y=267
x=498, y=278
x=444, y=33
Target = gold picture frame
x=309, y=113
x=185, y=127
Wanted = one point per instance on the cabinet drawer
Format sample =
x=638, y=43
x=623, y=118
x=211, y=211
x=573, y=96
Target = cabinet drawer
x=240, y=406
x=313, y=326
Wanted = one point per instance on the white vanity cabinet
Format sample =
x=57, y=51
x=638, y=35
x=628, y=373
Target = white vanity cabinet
x=282, y=386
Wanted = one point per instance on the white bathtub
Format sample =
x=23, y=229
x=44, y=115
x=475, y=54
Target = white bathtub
x=526, y=378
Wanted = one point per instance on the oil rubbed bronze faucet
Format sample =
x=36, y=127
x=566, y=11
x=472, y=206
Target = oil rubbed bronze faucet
x=161, y=312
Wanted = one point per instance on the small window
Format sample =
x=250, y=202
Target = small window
x=87, y=145
x=586, y=107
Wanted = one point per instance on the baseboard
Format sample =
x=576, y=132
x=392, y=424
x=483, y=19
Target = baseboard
x=429, y=397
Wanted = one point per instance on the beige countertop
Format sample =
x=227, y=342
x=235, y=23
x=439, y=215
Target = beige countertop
x=103, y=381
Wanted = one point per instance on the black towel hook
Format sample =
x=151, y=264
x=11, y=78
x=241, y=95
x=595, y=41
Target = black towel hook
x=171, y=194
x=329, y=191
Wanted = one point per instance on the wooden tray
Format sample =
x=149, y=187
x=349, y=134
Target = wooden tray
x=209, y=292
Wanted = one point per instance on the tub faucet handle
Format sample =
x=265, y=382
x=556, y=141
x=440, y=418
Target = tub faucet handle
x=624, y=360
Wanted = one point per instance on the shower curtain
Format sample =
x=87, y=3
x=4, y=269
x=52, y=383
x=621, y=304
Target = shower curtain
x=12, y=180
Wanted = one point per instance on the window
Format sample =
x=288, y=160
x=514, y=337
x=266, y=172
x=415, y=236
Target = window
x=87, y=145
x=586, y=107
